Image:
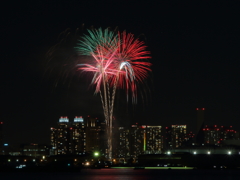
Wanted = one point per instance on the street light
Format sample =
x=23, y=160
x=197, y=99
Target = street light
x=96, y=154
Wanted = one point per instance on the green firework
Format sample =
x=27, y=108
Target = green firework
x=97, y=37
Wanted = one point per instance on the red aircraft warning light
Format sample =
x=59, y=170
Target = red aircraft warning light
x=200, y=109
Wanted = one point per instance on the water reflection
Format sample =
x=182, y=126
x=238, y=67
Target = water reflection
x=125, y=174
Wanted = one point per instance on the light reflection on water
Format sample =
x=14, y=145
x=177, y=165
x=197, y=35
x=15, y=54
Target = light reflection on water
x=125, y=174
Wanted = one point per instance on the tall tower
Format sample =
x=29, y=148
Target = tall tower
x=78, y=135
x=63, y=136
x=199, y=126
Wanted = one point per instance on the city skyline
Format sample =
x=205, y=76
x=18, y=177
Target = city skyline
x=194, y=49
x=198, y=135
x=88, y=135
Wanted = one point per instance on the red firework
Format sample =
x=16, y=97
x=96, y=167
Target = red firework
x=122, y=65
x=131, y=62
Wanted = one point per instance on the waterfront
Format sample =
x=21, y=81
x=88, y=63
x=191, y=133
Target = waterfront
x=125, y=174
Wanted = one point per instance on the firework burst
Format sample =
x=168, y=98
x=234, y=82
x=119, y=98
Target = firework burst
x=130, y=60
x=96, y=38
x=119, y=62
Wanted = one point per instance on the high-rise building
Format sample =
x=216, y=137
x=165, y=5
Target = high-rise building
x=153, y=139
x=53, y=141
x=77, y=137
x=123, y=146
x=175, y=136
x=68, y=138
x=215, y=135
x=60, y=137
x=94, y=133
x=139, y=139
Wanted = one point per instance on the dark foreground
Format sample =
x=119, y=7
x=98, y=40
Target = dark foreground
x=125, y=174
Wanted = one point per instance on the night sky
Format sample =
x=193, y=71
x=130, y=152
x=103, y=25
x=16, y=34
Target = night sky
x=195, y=55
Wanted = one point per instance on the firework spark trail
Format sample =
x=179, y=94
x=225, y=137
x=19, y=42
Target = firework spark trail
x=119, y=62
x=98, y=37
x=102, y=71
x=130, y=69
x=129, y=61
